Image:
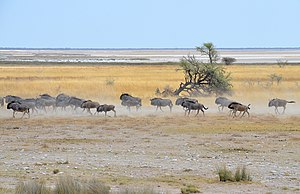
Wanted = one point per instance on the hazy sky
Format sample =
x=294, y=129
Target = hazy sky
x=151, y=23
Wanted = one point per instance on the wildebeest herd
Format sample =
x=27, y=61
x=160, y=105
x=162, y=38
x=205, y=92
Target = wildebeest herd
x=45, y=102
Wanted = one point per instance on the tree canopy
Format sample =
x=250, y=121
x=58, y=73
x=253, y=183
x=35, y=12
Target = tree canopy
x=204, y=78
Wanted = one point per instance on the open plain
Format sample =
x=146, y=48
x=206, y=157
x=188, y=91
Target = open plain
x=161, y=150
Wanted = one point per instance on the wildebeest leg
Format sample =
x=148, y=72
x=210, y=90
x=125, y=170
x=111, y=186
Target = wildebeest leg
x=276, y=110
x=89, y=111
x=14, y=114
x=197, y=112
x=115, y=113
x=283, y=110
x=105, y=113
x=219, y=108
x=23, y=114
x=161, y=109
x=203, y=112
x=243, y=114
x=234, y=113
x=170, y=108
x=156, y=108
x=189, y=112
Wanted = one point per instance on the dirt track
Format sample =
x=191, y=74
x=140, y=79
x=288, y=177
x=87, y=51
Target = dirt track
x=160, y=150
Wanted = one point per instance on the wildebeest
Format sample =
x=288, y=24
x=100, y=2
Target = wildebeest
x=10, y=98
x=160, y=102
x=88, y=104
x=30, y=103
x=223, y=102
x=128, y=101
x=42, y=103
x=75, y=102
x=235, y=106
x=276, y=102
x=180, y=100
x=18, y=107
x=1, y=101
x=62, y=100
x=191, y=105
x=106, y=108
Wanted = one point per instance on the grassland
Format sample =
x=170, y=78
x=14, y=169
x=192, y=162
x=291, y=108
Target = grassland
x=108, y=82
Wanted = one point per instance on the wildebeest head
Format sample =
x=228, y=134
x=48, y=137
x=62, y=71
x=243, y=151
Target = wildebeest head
x=271, y=102
x=123, y=95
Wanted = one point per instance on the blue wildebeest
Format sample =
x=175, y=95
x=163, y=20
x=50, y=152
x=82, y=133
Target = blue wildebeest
x=106, y=108
x=62, y=100
x=276, y=102
x=235, y=106
x=30, y=103
x=18, y=107
x=223, y=102
x=88, y=104
x=44, y=101
x=191, y=105
x=129, y=101
x=160, y=102
x=180, y=100
x=10, y=98
x=75, y=102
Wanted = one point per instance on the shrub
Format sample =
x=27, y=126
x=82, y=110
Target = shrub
x=275, y=77
x=109, y=82
x=239, y=175
x=228, y=60
x=65, y=185
x=224, y=174
x=32, y=187
x=189, y=189
x=138, y=191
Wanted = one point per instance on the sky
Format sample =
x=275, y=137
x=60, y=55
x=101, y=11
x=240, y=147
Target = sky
x=149, y=23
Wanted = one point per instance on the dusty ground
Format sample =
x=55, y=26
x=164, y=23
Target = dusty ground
x=164, y=151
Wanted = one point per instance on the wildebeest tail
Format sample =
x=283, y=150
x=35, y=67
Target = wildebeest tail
x=205, y=107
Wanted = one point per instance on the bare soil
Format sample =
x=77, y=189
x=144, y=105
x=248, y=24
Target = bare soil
x=160, y=150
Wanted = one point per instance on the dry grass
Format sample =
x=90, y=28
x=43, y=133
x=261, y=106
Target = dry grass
x=249, y=81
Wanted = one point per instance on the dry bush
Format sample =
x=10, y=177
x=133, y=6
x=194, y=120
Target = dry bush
x=138, y=191
x=32, y=187
x=240, y=174
x=65, y=185
x=189, y=189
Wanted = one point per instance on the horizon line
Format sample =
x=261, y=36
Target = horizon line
x=135, y=48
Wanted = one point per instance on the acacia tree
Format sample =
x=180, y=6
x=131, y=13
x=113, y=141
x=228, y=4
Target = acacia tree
x=208, y=49
x=203, y=78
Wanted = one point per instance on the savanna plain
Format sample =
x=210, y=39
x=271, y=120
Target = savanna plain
x=165, y=151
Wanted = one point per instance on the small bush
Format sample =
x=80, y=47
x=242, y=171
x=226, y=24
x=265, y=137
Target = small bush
x=189, y=189
x=32, y=187
x=94, y=186
x=282, y=63
x=138, y=191
x=239, y=175
x=275, y=77
x=224, y=174
x=109, y=82
x=228, y=60
x=65, y=185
